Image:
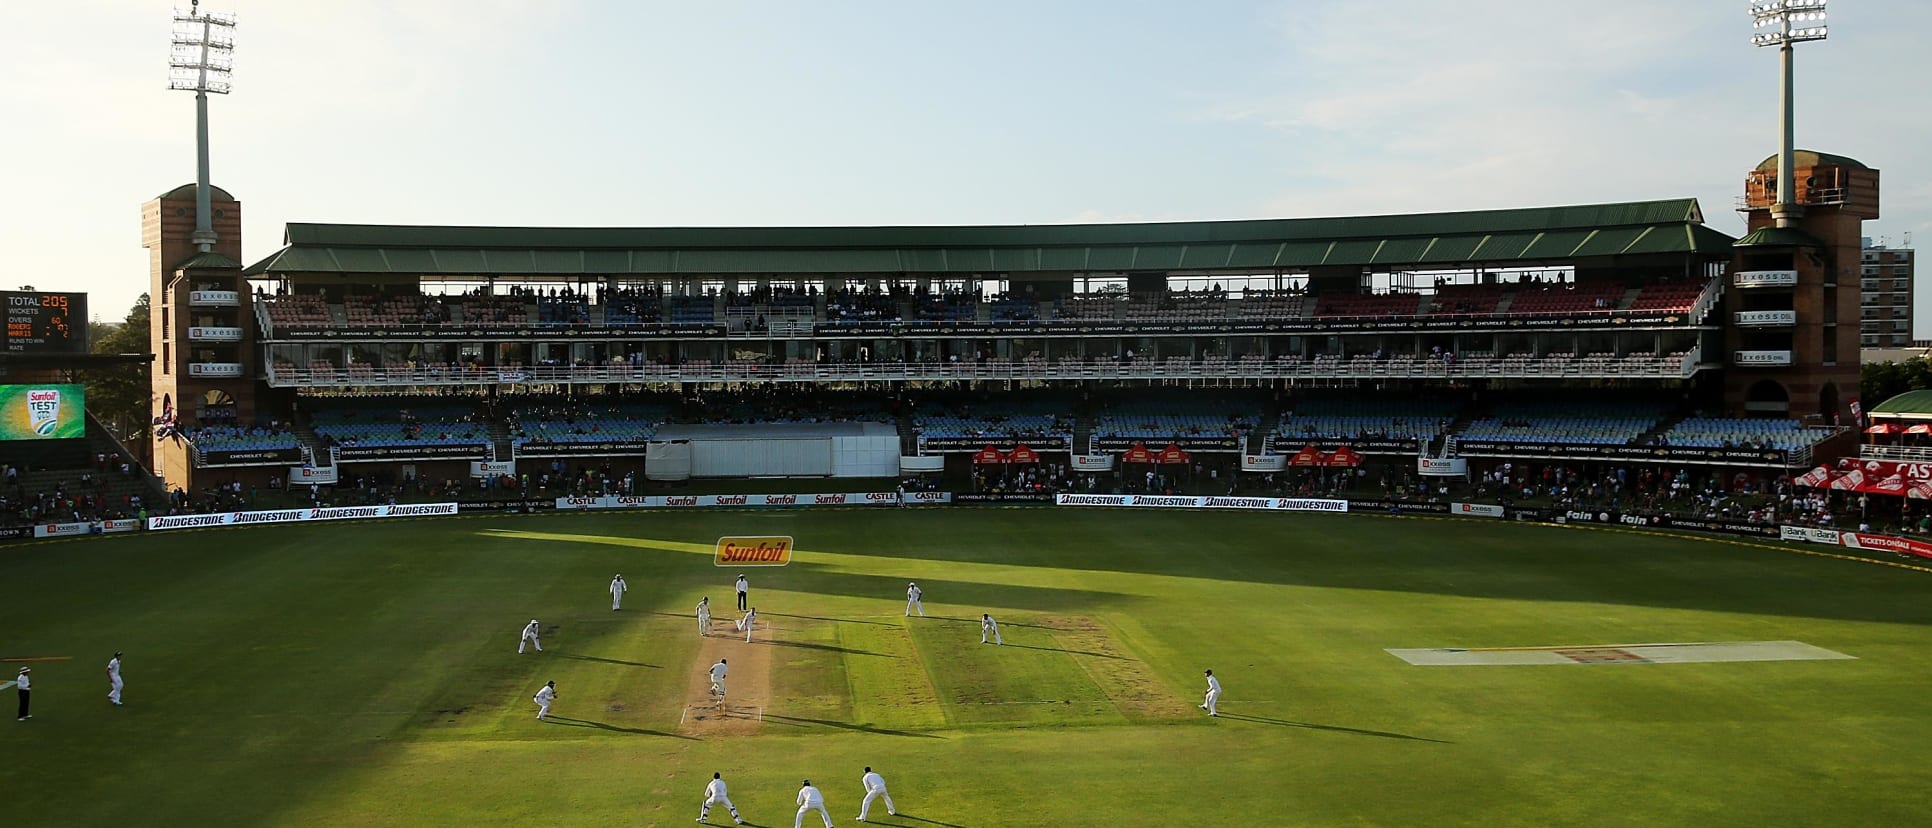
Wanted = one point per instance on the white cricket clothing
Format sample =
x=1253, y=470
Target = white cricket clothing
x=913, y=594
x=1213, y=696
x=809, y=799
x=987, y=626
x=530, y=631
x=718, y=673
x=543, y=698
x=617, y=590
x=714, y=794
x=750, y=623
x=114, y=680
x=875, y=788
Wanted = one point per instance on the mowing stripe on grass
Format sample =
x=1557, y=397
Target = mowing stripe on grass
x=1686, y=653
x=1704, y=538
x=38, y=659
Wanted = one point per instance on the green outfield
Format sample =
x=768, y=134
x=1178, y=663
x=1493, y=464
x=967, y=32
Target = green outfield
x=367, y=674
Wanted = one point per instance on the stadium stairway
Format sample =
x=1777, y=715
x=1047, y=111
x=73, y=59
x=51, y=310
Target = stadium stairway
x=1656, y=432
x=1629, y=298
x=500, y=445
x=1265, y=429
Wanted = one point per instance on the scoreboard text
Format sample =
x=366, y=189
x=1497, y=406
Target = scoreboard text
x=45, y=323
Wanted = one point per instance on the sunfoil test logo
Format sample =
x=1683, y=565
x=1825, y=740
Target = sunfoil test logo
x=770, y=550
x=43, y=411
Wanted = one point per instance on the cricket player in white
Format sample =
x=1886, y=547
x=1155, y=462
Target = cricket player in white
x=1213, y=694
x=874, y=789
x=809, y=799
x=114, y=679
x=987, y=626
x=748, y=623
x=913, y=594
x=718, y=673
x=530, y=631
x=545, y=695
x=704, y=616
x=617, y=590
x=714, y=794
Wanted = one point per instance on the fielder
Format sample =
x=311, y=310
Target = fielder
x=530, y=631
x=114, y=679
x=913, y=594
x=718, y=673
x=704, y=616
x=987, y=626
x=714, y=794
x=545, y=695
x=874, y=789
x=809, y=799
x=744, y=587
x=749, y=622
x=617, y=590
x=1213, y=694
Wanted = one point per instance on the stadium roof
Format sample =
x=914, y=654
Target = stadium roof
x=1911, y=405
x=1542, y=234
x=1811, y=158
x=1778, y=237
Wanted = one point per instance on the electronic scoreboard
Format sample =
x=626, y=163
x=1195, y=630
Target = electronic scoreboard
x=40, y=322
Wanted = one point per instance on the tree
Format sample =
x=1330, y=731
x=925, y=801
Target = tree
x=120, y=396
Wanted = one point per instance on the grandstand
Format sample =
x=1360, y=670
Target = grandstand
x=798, y=327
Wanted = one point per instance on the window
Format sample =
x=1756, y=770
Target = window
x=1868, y=341
x=1902, y=326
x=167, y=363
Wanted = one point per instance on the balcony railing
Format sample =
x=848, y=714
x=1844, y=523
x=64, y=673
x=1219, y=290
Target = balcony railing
x=1667, y=367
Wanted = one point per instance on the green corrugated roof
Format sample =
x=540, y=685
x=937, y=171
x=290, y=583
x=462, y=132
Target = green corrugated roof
x=1915, y=405
x=1778, y=237
x=208, y=261
x=1536, y=234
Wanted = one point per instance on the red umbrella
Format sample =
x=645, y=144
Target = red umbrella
x=1849, y=480
x=1919, y=428
x=1345, y=456
x=1894, y=485
x=1921, y=490
x=1884, y=428
x=1308, y=456
x=1172, y=455
x=1022, y=454
x=989, y=455
x=1138, y=454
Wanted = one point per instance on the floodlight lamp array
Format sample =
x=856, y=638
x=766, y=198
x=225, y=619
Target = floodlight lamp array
x=1784, y=21
x=203, y=51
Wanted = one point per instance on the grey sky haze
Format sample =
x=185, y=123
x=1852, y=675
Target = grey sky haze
x=998, y=112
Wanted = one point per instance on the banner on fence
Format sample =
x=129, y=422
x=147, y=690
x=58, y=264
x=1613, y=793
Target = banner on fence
x=1282, y=504
x=1807, y=534
x=1264, y=462
x=306, y=475
x=1475, y=510
x=63, y=530
x=300, y=515
x=1887, y=543
x=492, y=468
x=708, y=501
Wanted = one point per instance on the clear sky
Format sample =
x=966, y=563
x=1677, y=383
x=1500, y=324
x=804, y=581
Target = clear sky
x=554, y=112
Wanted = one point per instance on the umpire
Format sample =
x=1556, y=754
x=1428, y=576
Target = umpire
x=22, y=683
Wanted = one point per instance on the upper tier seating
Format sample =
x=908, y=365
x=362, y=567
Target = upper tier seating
x=1350, y=419
x=578, y=421
x=693, y=310
x=1712, y=432
x=1163, y=419
x=1607, y=423
x=391, y=421
x=1018, y=419
x=1010, y=308
x=1086, y=308
x=241, y=438
x=298, y=309
x=1567, y=298
x=1466, y=299
x=1272, y=304
x=1675, y=296
x=1367, y=304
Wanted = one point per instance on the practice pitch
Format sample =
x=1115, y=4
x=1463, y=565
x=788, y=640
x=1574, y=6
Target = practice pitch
x=1689, y=653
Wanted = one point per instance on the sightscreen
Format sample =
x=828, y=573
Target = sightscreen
x=42, y=412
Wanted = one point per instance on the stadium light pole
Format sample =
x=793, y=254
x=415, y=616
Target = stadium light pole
x=202, y=61
x=1784, y=24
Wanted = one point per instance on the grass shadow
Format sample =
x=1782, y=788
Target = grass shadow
x=607, y=660
x=1332, y=728
x=832, y=648
x=565, y=721
x=800, y=721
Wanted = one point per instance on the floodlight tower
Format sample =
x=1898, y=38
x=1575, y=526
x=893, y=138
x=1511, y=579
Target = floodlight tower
x=1784, y=24
x=202, y=61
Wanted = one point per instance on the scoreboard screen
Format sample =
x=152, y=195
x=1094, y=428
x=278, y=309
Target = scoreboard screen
x=39, y=322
